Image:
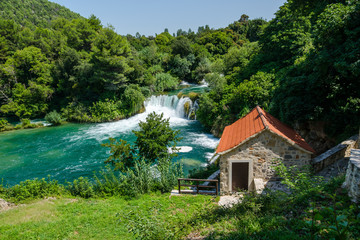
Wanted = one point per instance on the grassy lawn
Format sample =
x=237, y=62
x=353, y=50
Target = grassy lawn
x=322, y=211
x=115, y=218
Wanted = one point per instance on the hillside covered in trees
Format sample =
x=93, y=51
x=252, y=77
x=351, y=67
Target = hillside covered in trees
x=34, y=13
x=301, y=66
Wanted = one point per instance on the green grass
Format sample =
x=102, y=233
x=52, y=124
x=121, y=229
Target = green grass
x=323, y=211
x=112, y=218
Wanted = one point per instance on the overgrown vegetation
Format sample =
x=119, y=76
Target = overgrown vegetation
x=32, y=189
x=24, y=124
x=302, y=68
x=34, y=13
x=300, y=72
x=54, y=118
x=312, y=210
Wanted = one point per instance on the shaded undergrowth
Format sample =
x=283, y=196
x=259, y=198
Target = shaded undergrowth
x=313, y=209
x=322, y=212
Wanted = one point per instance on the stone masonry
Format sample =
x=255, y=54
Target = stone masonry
x=263, y=151
x=352, y=179
x=334, y=154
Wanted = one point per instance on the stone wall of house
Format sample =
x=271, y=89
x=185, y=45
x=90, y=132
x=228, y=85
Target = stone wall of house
x=352, y=179
x=265, y=151
x=334, y=154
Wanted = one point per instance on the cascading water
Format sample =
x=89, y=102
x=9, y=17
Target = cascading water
x=172, y=106
x=73, y=150
x=183, y=106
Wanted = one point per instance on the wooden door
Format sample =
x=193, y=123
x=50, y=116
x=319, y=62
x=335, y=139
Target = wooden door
x=240, y=175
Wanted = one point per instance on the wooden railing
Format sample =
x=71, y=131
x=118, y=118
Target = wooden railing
x=198, y=185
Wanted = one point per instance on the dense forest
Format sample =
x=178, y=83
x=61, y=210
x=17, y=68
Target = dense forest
x=34, y=13
x=302, y=66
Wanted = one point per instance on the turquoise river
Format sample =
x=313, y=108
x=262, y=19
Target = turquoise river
x=72, y=150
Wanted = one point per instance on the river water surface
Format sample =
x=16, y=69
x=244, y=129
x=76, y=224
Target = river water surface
x=73, y=150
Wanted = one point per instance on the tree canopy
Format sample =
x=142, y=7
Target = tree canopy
x=302, y=66
x=155, y=141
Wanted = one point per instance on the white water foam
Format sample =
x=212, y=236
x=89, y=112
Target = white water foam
x=185, y=83
x=182, y=149
x=204, y=83
x=204, y=140
x=170, y=106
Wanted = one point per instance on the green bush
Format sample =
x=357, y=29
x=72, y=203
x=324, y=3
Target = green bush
x=168, y=174
x=133, y=100
x=164, y=82
x=109, y=184
x=54, y=118
x=4, y=125
x=108, y=110
x=25, y=122
x=76, y=112
x=81, y=187
x=32, y=189
x=140, y=177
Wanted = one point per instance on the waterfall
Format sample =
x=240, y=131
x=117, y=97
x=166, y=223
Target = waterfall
x=182, y=109
x=162, y=101
x=172, y=105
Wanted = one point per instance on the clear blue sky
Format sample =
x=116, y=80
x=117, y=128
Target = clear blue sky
x=152, y=16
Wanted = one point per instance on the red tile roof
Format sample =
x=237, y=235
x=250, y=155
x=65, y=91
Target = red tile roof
x=254, y=122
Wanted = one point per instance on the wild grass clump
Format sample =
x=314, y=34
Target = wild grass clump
x=141, y=179
x=54, y=118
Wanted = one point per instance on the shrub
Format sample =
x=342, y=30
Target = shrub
x=54, y=118
x=4, y=124
x=133, y=99
x=141, y=177
x=25, y=122
x=76, y=112
x=109, y=184
x=146, y=91
x=107, y=110
x=164, y=81
x=32, y=189
x=168, y=174
x=81, y=187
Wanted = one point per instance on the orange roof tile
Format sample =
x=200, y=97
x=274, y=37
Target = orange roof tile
x=254, y=122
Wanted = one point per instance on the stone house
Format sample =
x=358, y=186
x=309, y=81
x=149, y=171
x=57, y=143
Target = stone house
x=252, y=146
